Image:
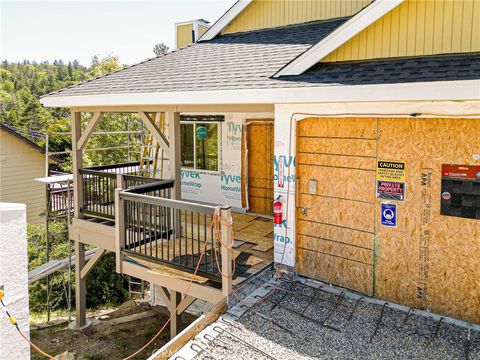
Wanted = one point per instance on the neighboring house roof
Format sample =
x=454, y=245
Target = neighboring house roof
x=243, y=60
x=5, y=128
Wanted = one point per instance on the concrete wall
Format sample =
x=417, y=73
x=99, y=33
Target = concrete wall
x=14, y=278
x=19, y=166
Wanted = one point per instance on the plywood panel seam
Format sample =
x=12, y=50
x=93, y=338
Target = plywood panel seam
x=336, y=256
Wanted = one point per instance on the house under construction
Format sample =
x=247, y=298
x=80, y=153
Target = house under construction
x=360, y=117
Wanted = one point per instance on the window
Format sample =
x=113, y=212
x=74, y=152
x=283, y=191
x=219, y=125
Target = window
x=199, y=144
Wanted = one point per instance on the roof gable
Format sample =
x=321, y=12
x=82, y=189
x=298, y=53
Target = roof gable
x=416, y=28
x=341, y=35
x=248, y=15
x=6, y=129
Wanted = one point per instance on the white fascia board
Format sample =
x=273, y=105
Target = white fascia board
x=338, y=37
x=225, y=19
x=421, y=91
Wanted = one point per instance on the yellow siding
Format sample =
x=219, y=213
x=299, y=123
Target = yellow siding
x=201, y=30
x=417, y=27
x=19, y=166
x=184, y=35
x=262, y=14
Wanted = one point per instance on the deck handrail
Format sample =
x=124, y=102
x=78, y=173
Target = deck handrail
x=167, y=231
x=100, y=182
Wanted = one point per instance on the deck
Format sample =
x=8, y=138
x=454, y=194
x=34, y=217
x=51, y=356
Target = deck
x=159, y=239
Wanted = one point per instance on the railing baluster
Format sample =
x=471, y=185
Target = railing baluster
x=186, y=237
x=212, y=253
x=161, y=220
x=191, y=230
x=205, y=240
x=150, y=229
x=198, y=235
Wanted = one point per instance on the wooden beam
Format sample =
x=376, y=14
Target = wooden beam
x=89, y=130
x=190, y=332
x=164, y=294
x=185, y=304
x=173, y=121
x=77, y=163
x=155, y=131
x=119, y=224
x=175, y=298
x=199, y=291
x=80, y=288
x=226, y=233
x=207, y=108
x=91, y=263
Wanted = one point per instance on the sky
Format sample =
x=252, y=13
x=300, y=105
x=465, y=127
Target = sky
x=69, y=30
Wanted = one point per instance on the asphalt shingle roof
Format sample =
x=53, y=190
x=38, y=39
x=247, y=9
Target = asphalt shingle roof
x=244, y=60
x=397, y=70
x=249, y=60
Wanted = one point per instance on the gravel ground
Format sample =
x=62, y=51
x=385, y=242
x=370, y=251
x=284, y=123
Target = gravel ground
x=335, y=327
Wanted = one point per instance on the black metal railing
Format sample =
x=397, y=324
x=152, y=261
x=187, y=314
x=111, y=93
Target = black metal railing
x=60, y=194
x=99, y=184
x=169, y=231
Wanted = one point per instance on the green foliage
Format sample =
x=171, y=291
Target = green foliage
x=105, y=66
x=21, y=86
x=160, y=49
x=104, y=285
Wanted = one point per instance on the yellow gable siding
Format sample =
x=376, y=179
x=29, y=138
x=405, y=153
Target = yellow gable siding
x=201, y=30
x=262, y=14
x=19, y=166
x=417, y=27
x=184, y=35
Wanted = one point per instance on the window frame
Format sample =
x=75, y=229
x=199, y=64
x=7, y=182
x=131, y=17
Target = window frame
x=219, y=143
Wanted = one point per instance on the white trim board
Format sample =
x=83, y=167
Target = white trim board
x=420, y=91
x=339, y=36
x=225, y=19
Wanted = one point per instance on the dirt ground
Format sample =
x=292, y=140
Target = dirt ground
x=105, y=340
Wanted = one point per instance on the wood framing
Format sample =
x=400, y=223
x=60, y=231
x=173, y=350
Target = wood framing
x=173, y=123
x=155, y=131
x=77, y=161
x=80, y=286
x=190, y=332
x=91, y=263
x=199, y=291
x=87, y=133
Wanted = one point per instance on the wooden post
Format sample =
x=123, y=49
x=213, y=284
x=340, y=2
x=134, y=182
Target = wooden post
x=80, y=290
x=119, y=224
x=226, y=214
x=173, y=121
x=77, y=162
x=175, y=298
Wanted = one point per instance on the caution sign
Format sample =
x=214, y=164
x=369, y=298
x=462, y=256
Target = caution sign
x=391, y=170
x=390, y=190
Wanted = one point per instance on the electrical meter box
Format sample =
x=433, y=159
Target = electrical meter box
x=460, y=194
